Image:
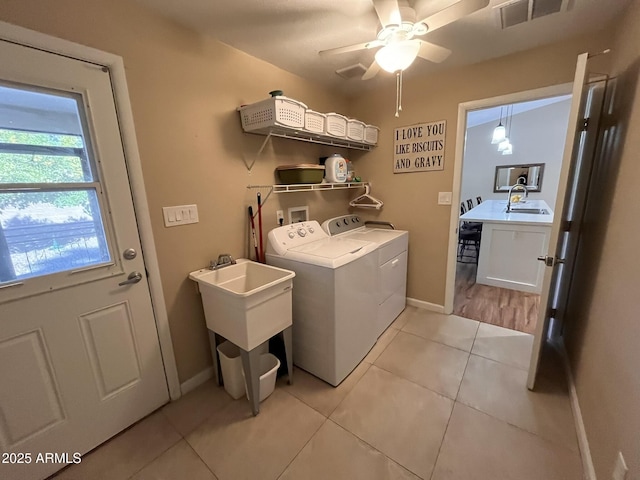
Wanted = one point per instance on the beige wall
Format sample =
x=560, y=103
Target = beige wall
x=184, y=91
x=411, y=198
x=603, y=331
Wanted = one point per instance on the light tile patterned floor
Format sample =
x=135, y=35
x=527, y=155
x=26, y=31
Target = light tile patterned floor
x=438, y=398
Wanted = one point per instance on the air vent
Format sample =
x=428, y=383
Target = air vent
x=515, y=12
x=352, y=71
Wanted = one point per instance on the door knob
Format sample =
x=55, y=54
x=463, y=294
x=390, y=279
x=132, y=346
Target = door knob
x=550, y=261
x=134, y=277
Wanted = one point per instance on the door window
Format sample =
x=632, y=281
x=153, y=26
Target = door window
x=51, y=202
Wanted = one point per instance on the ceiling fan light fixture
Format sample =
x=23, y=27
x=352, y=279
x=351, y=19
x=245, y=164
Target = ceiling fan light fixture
x=397, y=56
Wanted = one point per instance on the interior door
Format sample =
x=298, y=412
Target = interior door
x=564, y=230
x=79, y=351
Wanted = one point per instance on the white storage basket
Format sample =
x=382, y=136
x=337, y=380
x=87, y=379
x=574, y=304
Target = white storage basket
x=355, y=130
x=314, y=121
x=336, y=125
x=371, y=134
x=274, y=111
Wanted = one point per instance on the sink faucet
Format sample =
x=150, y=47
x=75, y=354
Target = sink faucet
x=515, y=187
x=224, y=260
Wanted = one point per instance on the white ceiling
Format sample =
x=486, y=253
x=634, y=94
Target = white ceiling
x=290, y=33
x=494, y=114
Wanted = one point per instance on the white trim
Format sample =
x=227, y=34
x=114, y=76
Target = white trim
x=197, y=380
x=115, y=64
x=589, y=472
x=432, y=307
x=461, y=130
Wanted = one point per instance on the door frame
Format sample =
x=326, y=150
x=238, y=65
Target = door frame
x=454, y=220
x=115, y=64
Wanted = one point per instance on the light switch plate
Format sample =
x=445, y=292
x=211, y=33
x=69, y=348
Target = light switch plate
x=180, y=215
x=444, y=198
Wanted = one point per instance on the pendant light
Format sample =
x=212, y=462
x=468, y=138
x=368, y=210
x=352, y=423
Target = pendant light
x=499, y=133
x=508, y=149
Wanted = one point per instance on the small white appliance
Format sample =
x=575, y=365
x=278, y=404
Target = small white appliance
x=391, y=262
x=334, y=297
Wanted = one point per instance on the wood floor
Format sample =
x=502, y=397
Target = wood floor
x=498, y=306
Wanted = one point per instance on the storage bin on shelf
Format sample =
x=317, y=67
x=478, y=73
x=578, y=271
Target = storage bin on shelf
x=274, y=111
x=355, y=130
x=300, y=173
x=336, y=125
x=314, y=121
x=371, y=134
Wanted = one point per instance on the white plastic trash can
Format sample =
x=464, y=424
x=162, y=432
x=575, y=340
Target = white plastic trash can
x=231, y=366
x=269, y=365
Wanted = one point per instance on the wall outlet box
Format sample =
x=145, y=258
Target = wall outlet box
x=444, y=198
x=620, y=469
x=298, y=214
x=279, y=217
x=180, y=215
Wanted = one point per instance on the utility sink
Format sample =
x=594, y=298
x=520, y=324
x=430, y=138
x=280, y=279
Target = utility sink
x=247, y=303
x=534, y=211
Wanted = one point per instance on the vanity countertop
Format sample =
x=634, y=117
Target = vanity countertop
x=494, y=211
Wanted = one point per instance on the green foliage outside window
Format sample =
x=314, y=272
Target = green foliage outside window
x=41, y=168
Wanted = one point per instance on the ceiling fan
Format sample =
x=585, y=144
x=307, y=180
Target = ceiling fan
x=398, y=37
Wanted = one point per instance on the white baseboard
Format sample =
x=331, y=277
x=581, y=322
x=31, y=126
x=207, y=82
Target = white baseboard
x=426, y=305
x=197, y=380
x=583, y=442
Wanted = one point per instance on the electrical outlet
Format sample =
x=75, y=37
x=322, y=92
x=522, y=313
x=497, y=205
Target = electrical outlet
x=620, y=469
x=280, y=217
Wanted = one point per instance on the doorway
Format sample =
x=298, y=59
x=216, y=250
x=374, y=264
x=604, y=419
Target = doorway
x=528, y=152
x=83, y=346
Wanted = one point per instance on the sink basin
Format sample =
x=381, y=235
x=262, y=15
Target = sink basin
x=246, y=303
x=535, y=211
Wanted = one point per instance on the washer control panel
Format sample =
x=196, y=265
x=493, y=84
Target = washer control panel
x=286, y=237
x=345, y=223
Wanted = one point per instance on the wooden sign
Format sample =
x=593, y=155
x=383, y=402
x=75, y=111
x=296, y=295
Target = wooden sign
x=419, y=148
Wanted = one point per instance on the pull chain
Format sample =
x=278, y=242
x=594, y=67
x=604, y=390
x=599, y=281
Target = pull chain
x=398, y=92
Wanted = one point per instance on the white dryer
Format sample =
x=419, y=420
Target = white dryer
x=391, y=262
x=334, y=297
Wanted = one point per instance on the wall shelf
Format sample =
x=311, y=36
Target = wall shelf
x=307, y=187
x=293, y=134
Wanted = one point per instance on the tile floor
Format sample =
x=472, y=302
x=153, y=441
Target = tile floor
x=439, y=397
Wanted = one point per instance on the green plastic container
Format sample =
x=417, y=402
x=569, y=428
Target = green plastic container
x=301, y=173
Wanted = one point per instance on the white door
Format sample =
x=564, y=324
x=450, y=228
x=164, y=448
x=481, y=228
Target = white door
x=571, y=175
x=79, y=352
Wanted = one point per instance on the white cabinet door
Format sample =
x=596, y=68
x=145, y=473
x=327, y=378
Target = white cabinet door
x=508, y=256
x=79, y=353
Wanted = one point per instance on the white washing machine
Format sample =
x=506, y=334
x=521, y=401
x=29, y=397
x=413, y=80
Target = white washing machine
x=334, y=297
x=392, y=248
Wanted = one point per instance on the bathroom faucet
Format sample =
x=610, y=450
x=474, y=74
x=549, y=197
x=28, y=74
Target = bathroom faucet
x=516, y=186
x=224, y=260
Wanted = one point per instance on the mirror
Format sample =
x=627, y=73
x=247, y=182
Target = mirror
x=508, y=175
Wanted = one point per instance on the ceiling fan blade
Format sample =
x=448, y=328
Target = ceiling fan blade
x=388, y=12
x=352, y=48
x=452, y=13
x=372, y=71
x=433, y=53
